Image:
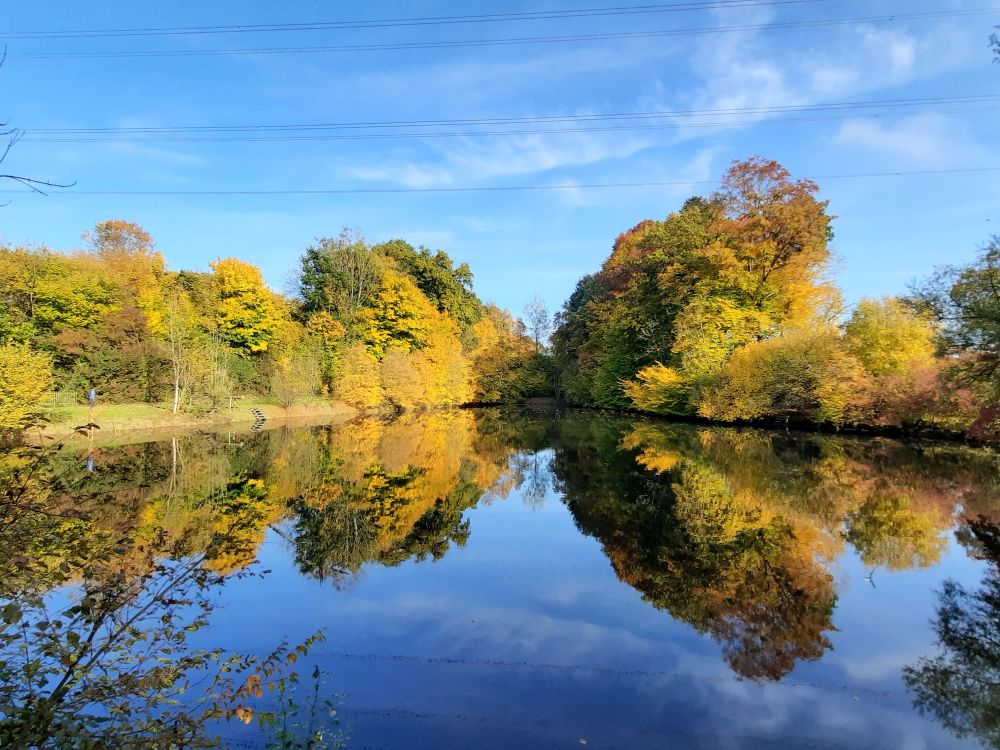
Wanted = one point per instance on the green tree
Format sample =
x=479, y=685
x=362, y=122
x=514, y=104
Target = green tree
x=339, y=275
x=966, y=300
x=447, y=286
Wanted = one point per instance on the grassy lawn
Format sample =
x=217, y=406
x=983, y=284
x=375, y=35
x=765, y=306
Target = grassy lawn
x=118, y=417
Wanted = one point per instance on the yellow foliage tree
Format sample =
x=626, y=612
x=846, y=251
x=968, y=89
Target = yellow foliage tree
x=246, y=313
x=803, y=372
x=128, y=253
x=402, y=380
x=888, y=531
x=398, y=315
x=53, y=292
x=443, y=368
x=708, y=331
x=359, y=382
x=25, y=382
x=500, y=351
x=658, y=388
x=888, y=338
x=330, y=333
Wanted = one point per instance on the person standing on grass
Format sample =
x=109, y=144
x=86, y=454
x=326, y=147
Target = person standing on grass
x=92, y=399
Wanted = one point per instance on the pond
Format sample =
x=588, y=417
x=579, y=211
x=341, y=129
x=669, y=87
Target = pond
x=516, y=578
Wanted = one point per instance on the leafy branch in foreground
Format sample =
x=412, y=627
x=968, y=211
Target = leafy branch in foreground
x=95, y=627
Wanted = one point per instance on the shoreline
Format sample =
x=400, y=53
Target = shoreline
x=124, y=421
x=794, y=425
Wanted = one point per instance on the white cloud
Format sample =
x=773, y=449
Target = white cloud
x=469, y=160
x=746, y=69
x=926, y=139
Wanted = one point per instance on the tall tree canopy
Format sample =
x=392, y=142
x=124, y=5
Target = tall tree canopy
x=724, y=310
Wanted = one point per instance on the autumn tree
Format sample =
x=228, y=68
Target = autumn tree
x=888, y=338
x=398, y=314
x=401, y=379
x=128, y=253
x=119, y=356
x=358, y=381
x=296, y=373
x=180, y=333
x=49, y=292
x=245, y=312
x=501, y=360
x=447, y=286
x=25, y=382
x=685, y=293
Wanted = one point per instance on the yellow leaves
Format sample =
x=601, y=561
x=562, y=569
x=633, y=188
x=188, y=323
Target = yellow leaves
x=657, y=388
x=252, y=687
x=444, y=369
x=56, y=292
x=399, y=314
x=359, y=381
x=713, y=514
x=653, y=454
x=128, y=254
x=324, y=325
x=803, y=372
x=888, y=338
x=244, y=714
x=498, y=358
x=707, y=331
x=887, y=530
x=151, y=301
x=245, y=312
x=401, y=379
x=25, y=382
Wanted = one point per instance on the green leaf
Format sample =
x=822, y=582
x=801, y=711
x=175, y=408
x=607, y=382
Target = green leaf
x=11, y=613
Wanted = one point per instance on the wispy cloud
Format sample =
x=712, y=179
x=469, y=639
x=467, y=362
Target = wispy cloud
x=925, y=139
x=470, y=160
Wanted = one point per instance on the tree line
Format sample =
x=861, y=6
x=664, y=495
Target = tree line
x=375, y=326
x=726, y=310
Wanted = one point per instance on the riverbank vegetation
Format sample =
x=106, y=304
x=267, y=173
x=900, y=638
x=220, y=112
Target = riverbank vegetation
x=375, y=327
x=726, y=310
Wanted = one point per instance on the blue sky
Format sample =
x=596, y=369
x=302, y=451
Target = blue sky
x=889, y=230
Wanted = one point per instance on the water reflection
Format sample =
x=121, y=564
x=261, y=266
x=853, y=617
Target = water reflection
x=961, y=686
x=97, y=604
x=734, y=532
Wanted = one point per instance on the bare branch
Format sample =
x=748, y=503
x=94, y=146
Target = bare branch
x=14, y=135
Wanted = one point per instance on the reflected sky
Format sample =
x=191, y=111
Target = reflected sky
x=576, y=603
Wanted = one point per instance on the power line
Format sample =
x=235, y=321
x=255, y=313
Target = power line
x=460, y=134
x=524, y=119
x=503, y=188
x=475, y=43
x=627, y=10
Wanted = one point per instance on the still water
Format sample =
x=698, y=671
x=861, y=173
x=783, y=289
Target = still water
x=518, y=579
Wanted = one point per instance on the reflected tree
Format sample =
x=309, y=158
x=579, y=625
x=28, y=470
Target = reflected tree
x=961, y=685
x=95, y=646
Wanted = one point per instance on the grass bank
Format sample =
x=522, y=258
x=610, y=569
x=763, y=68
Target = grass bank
x=116, y=419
